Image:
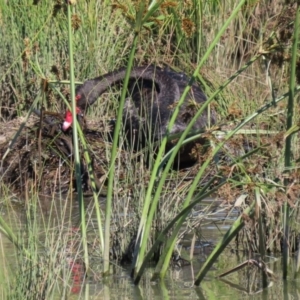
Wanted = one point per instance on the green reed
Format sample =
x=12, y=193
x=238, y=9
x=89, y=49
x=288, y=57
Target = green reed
x=288, y=141
x=75, y=142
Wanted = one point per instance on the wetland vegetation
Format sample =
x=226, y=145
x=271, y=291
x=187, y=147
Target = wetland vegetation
x=243, y=55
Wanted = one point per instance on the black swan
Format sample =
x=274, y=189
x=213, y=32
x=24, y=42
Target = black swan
x=152, y=96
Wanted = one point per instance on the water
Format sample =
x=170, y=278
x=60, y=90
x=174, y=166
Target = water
x=179, y=282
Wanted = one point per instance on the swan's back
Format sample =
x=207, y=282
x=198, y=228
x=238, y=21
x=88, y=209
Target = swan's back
x=147, y=102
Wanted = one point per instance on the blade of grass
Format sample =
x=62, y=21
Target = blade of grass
x=75, y=142
x=262, y=242
x=288, y=141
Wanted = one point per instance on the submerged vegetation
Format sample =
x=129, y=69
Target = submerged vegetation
x=243, y=54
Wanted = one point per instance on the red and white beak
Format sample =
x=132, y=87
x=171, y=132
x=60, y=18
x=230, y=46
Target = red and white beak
x=69, y=119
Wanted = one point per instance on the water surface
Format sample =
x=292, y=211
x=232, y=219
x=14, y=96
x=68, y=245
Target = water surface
x=179, y=282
